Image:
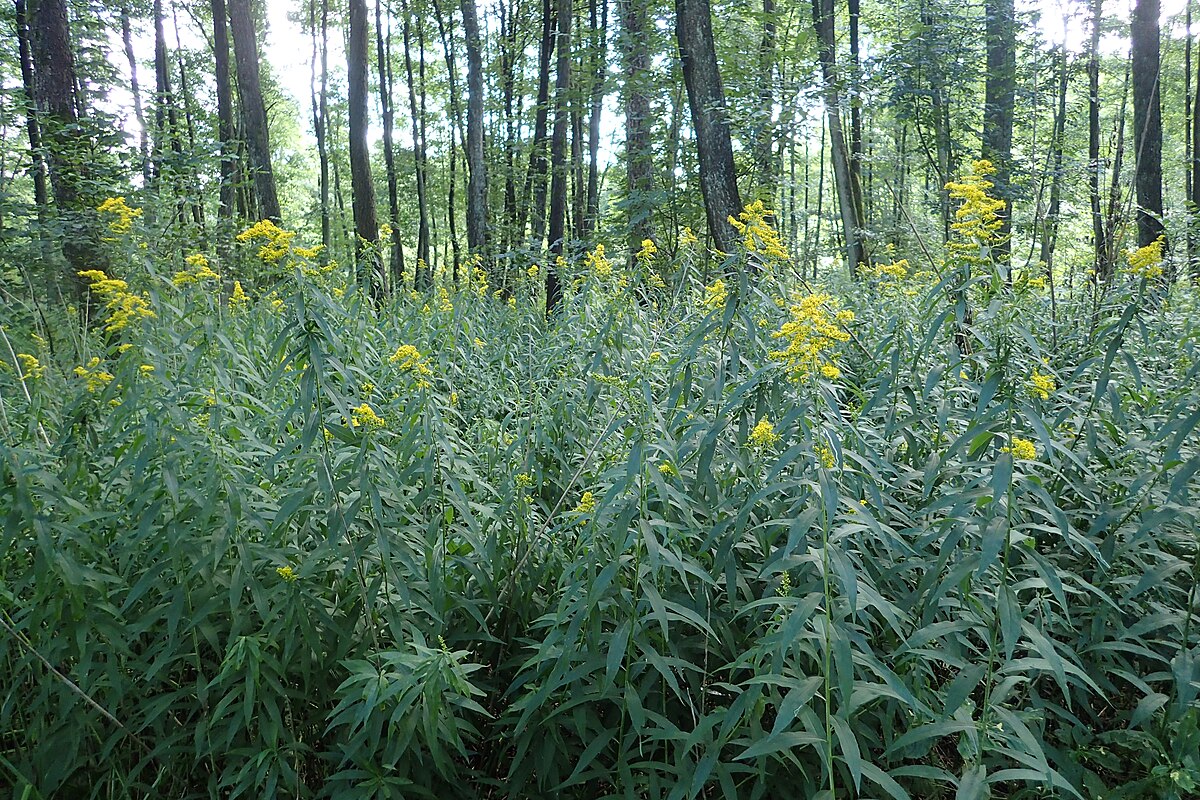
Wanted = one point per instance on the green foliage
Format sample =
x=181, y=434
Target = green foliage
x=565, y=559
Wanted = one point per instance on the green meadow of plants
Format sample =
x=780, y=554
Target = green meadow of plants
x=709, y=531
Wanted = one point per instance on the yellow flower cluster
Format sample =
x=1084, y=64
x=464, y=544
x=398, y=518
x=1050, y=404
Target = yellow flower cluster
x=759, y=235
x=365, y=416
x=668, y=469
x=523, y=480
x=1021, y=449
x=478, y=275
x=825, y=454
x=896, y=271
x=277, y=243
x=687, y=237
x=648, y=250
x=238, y=299
x=977, y=221
x=410, y=360
x=815, y=327
x=31, y=368
x=444, y=304
x=198, y=272
x=597, y=264
x=123, y=306
x=96, y=378
x=532, y=272
x=764, y=434
x=1146, y=262
x=122, y=215
x=715, y=295
x=587, y=504
x=287, y=573
x=1040, y=385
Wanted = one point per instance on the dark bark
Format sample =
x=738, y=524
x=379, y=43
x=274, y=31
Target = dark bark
x=455, y=131
x=254, y=111
x=1095, y=168
x=558, y=157
x=765, y=170
x=706, y=98
x=384, y=63
x=477, y=226
x=421, y=277
x=320, y=114
x=136, y=90
x=366, y=225
x=37, y=158
x=1147, y=120
x=186, y=100
x=639, y=155
x=599, y=89
x=848, y=189
x=535, y=181
x=999, y=100
x=1050, y=224
x=856, y=123
x=63, y=138
x=1194, y=187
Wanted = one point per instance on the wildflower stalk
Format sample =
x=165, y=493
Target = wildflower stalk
x=28, y=397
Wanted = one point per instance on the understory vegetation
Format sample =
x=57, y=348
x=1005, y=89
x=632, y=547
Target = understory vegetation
x=929, y=533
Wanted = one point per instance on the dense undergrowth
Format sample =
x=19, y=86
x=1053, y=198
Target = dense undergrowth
x=269, y=540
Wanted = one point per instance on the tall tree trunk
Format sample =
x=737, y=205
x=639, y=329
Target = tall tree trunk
x=166, y=122
x=422, y=280
x=384, y=62
x=1147, y=120
x=848, y=191
x=225, y=132
x=765, y=171
x=999, y=100
x=856, y=123
x=366, y=225
x=1116, y=191
x=455, y=125
x=558, y=157
x=186, y=100
x=254, y=111
x=639, y=155
x=578, y=186
x=1189, y=157
x=1194, y=188
x=706, y=98
x=599, y=31
x=320, y=115
x=63, y=137
x=1050, y=224
x=535, y=181
x=37, y=157
x=1095, y=168
x=477, y=226
x=136, y=90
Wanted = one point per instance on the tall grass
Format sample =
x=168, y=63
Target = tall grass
x=560, y=563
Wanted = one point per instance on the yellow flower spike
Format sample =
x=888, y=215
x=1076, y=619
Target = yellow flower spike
x=1021, y=449
x=287, y=574
x=668, y=469
x=587, y=504
x=122, y=215
x=825, y=454
x=715, y=296
x=31, y=368
x=764, y=434
x=1146, y=262
x=1040, y=385
x=365, y=416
